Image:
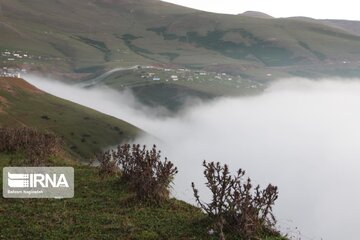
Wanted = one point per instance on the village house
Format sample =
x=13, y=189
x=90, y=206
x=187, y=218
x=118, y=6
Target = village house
x=8, y=72
x=174, y=77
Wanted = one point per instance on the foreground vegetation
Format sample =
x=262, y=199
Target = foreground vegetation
x=236, y=208
x=235, y=205
x=35, y=146
x=132, y=203
x=103, y=208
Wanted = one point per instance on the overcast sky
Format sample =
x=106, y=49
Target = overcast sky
x=345, y=9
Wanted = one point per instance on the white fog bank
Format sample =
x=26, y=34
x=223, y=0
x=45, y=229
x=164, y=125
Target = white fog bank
x=301, y=135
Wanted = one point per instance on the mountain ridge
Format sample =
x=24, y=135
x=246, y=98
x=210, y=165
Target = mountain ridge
x=75, y=35
x=256, y=14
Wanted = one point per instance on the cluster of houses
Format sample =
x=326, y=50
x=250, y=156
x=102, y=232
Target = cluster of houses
x=157, y=73
x=11, y=72
x=14, y=55
x=168, y=74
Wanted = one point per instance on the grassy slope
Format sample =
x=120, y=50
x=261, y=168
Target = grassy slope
x=86, y=38
x=101, y=209
x=352, y=27
x=84, y=130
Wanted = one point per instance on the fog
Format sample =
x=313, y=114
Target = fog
x=300, y=135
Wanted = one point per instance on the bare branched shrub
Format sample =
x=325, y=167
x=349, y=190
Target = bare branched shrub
x=148, y=176
x=219, y=182
x=36, y=146
x=108, y=166
x=236, y=205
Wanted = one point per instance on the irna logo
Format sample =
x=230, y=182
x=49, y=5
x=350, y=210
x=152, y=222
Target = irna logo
x=38, y=182
x=19, y=180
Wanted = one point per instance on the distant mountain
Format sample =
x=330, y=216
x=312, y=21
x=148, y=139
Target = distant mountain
x=81, y=39
x=84, y=130
x=256, y=14
x=352, y=27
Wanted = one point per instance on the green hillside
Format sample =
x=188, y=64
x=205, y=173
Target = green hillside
x=352, y=27
x=86, y=37
x=79, y=40
x=84, y=130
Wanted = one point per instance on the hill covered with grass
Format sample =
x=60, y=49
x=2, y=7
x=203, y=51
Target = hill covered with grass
x=83, y=38
x=84, y=131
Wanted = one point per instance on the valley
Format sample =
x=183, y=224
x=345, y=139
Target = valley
x=278, y=97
